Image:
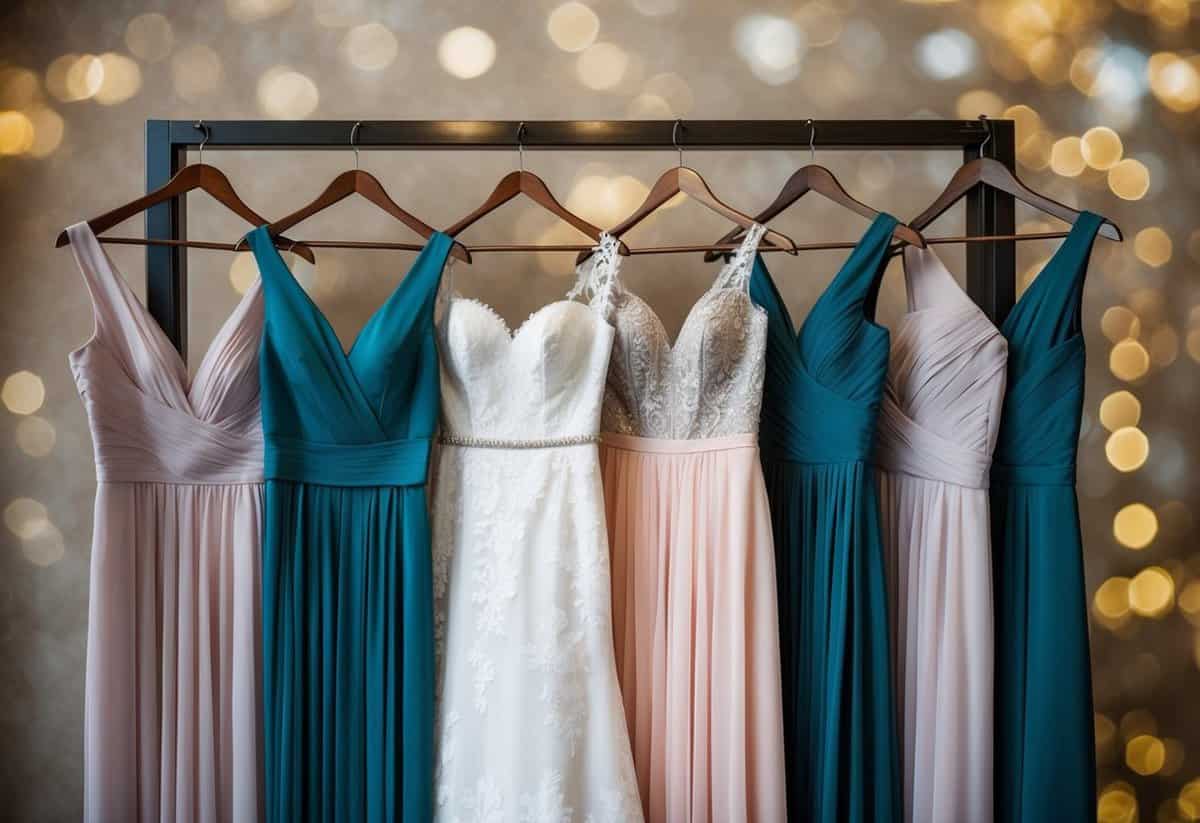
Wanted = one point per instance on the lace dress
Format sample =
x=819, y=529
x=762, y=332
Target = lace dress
x=694, y=608
x=529, y=721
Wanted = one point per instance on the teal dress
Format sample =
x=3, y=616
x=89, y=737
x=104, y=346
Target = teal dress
x=820, y=401
x=348, y=668
x=1045, y=764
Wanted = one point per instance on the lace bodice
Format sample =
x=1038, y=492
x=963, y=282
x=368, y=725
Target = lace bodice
x=709, y=382
x=543, y=380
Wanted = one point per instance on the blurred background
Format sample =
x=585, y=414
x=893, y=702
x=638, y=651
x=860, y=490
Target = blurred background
x=1105, y=95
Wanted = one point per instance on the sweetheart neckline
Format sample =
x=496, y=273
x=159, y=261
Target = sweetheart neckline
x=515, y=334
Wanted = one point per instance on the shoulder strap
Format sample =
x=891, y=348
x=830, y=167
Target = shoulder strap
x=596, y=279
x=736, y=273
x=1064, y=287
x=445, y=292
x=112, y=300
x=928, y=282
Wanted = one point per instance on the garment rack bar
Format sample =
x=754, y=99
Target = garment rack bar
x=991, y=267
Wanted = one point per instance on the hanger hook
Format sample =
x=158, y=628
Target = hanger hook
x=987, y=127
x=354, y=142
x=521, y=145
x=812, y=142
x=678, y=127
x=202, y=126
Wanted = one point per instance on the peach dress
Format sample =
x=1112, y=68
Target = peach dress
x=694, y=603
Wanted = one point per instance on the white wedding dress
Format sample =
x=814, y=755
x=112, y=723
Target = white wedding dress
x=530, y=724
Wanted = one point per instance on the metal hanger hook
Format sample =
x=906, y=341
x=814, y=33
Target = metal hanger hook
x=521, y=146
x=678, y=127
x=202, y=126
x=353, y=142
x=812, y=142
x=987, y=126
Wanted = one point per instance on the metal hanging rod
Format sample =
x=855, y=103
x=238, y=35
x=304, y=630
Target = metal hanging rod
x=580, y=134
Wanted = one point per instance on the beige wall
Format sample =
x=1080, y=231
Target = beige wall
x=840, y=59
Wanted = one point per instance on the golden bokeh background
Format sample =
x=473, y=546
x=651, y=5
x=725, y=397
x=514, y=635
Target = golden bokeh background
x=1106, y=99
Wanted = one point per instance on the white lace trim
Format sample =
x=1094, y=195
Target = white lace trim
x=596, y=277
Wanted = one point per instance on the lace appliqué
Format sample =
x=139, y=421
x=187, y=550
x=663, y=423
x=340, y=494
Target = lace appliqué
x=596, y=277
x=709, y=383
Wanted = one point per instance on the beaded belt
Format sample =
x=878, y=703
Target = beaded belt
x=500, y=443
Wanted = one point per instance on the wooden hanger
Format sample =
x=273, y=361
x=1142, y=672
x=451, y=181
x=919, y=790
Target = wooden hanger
x=821, y=180
x=684, y=180
x=198, y=175
x=523, y=182
x=993, y=173
x=367, y=186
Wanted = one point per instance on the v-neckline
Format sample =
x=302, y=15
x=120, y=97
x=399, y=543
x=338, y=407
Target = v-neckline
x=319, y=316
x=1049, y=267
x=177, y=367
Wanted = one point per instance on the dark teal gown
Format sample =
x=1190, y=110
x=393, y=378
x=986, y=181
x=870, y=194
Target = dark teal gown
x=820, y=402
x=348, y=661
x=1045, y=761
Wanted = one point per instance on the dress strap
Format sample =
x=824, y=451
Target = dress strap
x=596, y=278
x=928, y=282
x=445, y=292
x=736, y=273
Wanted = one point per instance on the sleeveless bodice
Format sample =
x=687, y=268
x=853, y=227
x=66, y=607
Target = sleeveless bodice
x=941, y=404
x=147, y=423
x=1043, y=405
x=358, y=418
x=709, y=382
x=545, y=380
x=822, y=393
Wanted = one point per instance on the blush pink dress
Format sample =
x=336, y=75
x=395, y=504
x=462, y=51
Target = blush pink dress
x=171, y=705
x=938, y=425
x=693, y=584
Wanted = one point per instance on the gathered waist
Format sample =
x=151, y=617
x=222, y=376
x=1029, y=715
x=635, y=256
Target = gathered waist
x=658, y=445
x=384, y=463
x=1009, y=474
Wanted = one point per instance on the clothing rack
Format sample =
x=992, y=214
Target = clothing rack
x=991, y=266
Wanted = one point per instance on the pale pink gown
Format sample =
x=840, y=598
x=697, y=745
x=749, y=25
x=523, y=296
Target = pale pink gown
x=171, y=712
x=938, y=424
x=694, y=598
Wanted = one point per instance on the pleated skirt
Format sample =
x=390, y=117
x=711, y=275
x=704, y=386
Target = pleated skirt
x=347, y=653
x=695, y=625
x=937, y=544
x=1045, y=731
x=172, y=729
x=838, y=712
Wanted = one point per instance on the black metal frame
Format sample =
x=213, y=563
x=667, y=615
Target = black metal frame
x=991, y=267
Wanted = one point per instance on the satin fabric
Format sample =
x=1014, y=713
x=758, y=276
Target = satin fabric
x=171, y=695
x=820, y=403
x=1045, y=748
x=347, y=591
x=938, y=424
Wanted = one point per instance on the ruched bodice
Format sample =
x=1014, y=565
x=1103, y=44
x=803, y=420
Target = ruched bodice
x=823, y=386
x=148, y=423
x=543, y=381
x=940, y=412
x=709, y=382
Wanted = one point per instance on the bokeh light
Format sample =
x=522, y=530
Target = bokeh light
x=370, y=47
x=573, y=26
x=773, y=47
x=1135, y=526
x=1129, y=179
x=1129, y=360
x=16, y=133
x=466, y=52
x=1127, y=449
x=149, y=37
x=248, y=11
x=23, y=392
x=1112, y=598
x=1152, y=246
x=946, y=53
x=121, y=79
x=35, y=436
x=1151, y=592
x=1066, y=157
x=243, y=271
x=25, y=516
x=602, y=66
x=1145, y=754
x=1120, y=409
x=196, y=72
x=286, y=94
x=1101, y=148
x=1119, y=323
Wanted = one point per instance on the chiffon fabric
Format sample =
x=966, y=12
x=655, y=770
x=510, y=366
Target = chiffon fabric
x=171, y=694
x=694, y=609
x=820, y=405
x=937, y=427
x=346, y=582
x=530, y=725
x=1045, y=749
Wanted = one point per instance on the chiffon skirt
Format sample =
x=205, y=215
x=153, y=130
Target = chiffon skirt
x=839, y=718
x=347, y=654
x=695, y=625
x=937, y=543
x=172, y=729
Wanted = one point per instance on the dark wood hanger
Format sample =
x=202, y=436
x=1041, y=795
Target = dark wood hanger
x=993, y=173
x=526, y=183
x=821, y=180
x=196, y=176
x=684, y=180
x=368, y=187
